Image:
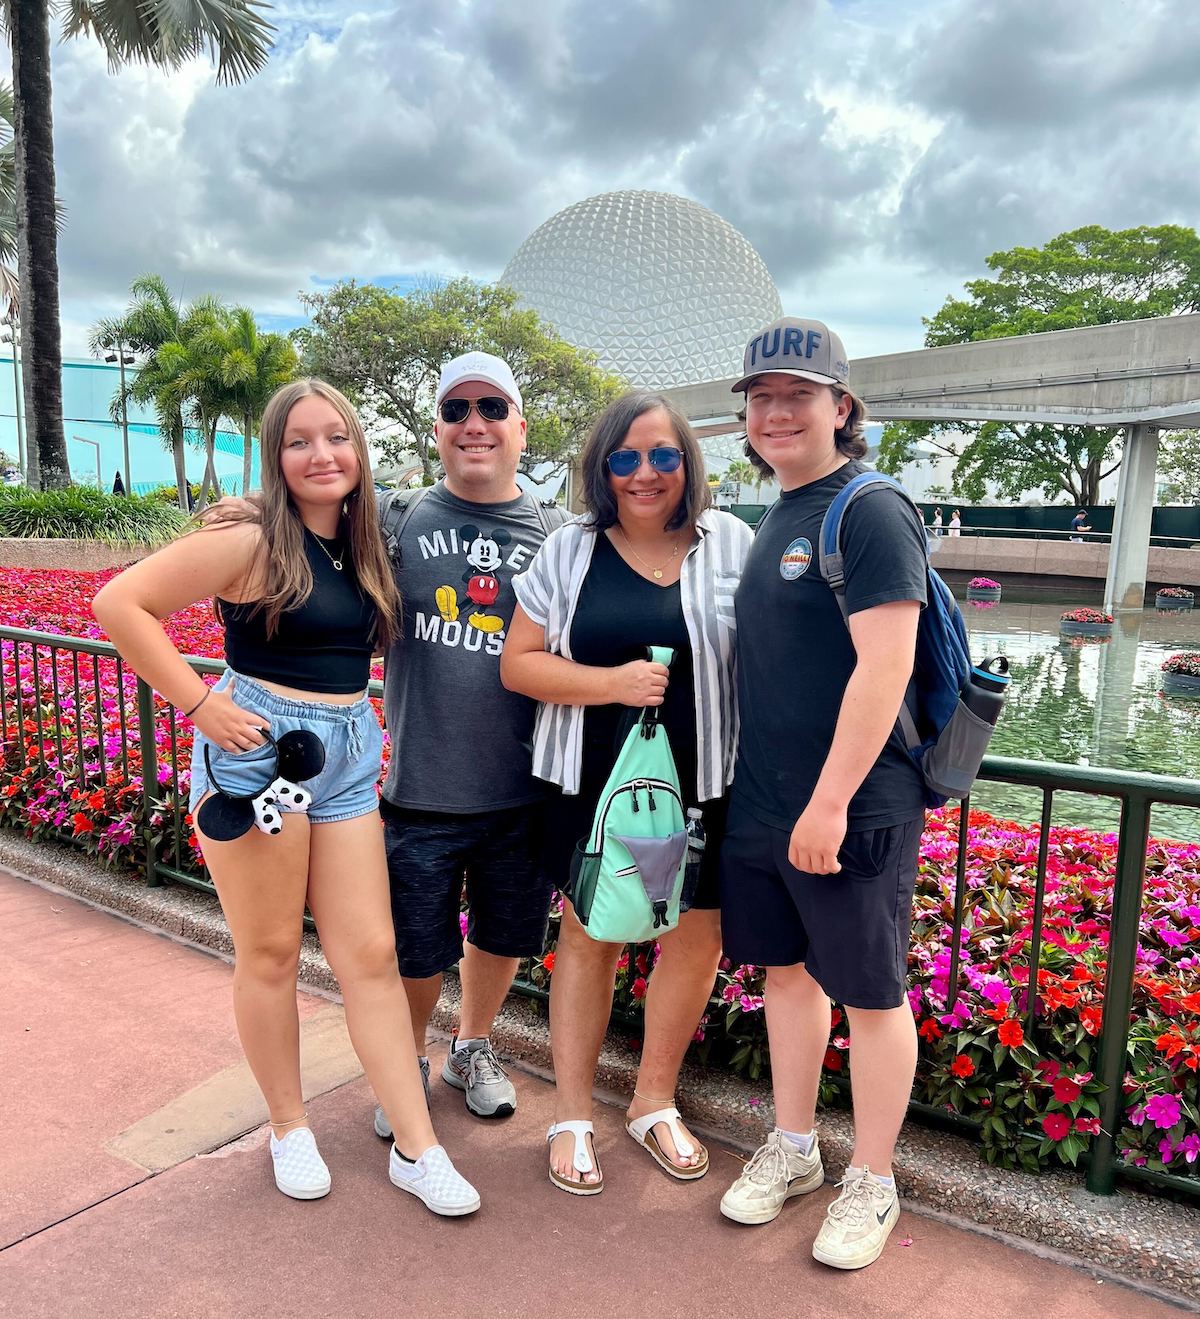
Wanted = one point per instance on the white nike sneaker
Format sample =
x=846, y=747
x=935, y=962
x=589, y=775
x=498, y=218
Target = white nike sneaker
x=858, y=1223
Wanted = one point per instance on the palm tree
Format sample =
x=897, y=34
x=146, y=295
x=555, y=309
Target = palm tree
x=744, y=473
x=253, y=366
x=164, y=33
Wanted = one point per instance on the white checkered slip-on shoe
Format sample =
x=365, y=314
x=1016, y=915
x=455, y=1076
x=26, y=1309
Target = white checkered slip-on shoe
x=299, y=1169
x=434, y=1180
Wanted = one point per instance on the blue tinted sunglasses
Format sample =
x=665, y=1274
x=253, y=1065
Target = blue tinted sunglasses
x=624, y=462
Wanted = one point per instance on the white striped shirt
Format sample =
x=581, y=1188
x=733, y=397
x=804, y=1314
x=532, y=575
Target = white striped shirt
x=548, y=591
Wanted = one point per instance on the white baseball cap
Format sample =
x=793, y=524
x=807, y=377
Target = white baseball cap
x=479, y=366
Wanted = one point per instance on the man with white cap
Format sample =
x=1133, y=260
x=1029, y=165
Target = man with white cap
x=459, y=798
x=819, y=860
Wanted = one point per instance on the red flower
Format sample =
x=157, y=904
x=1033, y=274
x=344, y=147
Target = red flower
x=96, y=799
x=962, y=1066
x=1090, y=1126
x=833, y=1060
x=1056, y=1125
x=1091, y=1019
x=1067, y=1091
x=1011, y=1035
x=929, y=1030
x=548, y=961
x=997, y=1012
x=1170, y=1043
x=83, y=824
x=638, y=988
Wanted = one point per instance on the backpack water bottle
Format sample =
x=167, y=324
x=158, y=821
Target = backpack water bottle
x=695, y=856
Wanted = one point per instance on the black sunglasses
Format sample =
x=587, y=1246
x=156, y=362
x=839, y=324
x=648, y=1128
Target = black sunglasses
x=624, y=462
x=491, y=408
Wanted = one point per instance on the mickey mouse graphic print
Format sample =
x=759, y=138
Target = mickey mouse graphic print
x=464, y=739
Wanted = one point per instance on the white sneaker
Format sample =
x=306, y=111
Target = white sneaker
x=775, y=1172
x=434, y=1180
x=858, y=1223
x=299, y=1169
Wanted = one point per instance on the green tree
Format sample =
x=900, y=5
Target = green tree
x=386, y=350
x=743, y=471
x=1179, y=463
x=163, y=33
x=1090, y=276
x=252, y=366
x=153, y=319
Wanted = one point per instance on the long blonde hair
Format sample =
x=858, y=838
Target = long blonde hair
x=285, y=570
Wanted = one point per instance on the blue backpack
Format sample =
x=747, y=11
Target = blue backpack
x=951, y=705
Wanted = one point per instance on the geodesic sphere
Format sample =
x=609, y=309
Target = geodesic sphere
x=661, y=289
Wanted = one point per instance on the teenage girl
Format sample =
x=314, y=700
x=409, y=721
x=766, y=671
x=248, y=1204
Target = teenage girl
x=306, y=596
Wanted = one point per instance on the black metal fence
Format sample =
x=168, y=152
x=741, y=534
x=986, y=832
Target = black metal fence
x=73, y=714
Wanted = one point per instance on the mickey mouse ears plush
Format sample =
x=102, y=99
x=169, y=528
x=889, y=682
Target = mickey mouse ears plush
x=225, y=816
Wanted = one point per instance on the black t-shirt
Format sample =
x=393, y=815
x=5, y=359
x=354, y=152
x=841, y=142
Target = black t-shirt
x=619, y=614
x=795, y=655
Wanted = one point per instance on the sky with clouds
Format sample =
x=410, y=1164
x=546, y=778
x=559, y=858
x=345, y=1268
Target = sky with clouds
x=873, y=151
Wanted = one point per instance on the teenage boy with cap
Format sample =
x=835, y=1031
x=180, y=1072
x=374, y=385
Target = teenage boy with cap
x=820, y=856
x=459, y=798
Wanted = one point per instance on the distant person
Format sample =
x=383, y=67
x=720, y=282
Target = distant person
x=955, y=523
x=1079, y=524
x=118, y=484
x=937, y=522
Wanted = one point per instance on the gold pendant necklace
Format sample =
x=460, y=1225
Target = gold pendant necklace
x=658, y=572
x=337, y=563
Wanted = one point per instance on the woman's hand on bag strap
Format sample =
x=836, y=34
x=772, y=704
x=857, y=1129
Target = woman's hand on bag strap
x=639, y=683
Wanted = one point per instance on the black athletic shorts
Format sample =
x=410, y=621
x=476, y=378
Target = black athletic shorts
x=496, y=854
x=851, y=930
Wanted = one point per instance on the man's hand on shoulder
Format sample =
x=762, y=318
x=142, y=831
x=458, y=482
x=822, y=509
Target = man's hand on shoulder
x=232, y=508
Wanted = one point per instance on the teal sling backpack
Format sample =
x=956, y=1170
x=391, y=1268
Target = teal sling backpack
x=627, y=875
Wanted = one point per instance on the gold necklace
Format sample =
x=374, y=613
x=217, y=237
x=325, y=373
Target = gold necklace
x=337, y=563
x=658, y=572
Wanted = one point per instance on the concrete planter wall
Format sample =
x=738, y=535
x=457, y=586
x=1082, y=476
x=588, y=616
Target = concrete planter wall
x=983, y=593
x=1174, y=602
x=1069, y=628
x=1181, y=684
x=69, y=555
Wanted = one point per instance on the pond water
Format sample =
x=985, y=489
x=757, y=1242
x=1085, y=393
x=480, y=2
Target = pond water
x=1087, y=701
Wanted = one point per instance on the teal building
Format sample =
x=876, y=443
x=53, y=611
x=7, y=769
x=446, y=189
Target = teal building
x=94, y=440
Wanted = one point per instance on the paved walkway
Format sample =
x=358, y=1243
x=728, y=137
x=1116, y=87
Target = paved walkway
x=130, y=1186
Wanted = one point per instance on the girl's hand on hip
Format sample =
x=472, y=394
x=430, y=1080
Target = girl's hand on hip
x=228, y=725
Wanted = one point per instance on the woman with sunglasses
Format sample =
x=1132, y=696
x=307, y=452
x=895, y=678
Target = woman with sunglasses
x=651, y=563
x=305, y=591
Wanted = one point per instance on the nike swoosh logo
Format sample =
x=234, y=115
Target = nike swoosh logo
x=882, y=1218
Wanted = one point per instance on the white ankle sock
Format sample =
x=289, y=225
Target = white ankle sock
x=888, y=1183
x=804, y=1143
x=460, y=1044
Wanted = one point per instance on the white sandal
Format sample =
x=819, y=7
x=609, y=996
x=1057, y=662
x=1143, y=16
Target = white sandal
x=582, y=1161
x=642, y=1130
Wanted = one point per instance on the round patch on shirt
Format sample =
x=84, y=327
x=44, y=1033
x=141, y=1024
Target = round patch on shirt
x=796, y=559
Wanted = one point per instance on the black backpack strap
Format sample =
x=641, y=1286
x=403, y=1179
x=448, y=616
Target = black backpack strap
x=395, y=508
x=551, y=516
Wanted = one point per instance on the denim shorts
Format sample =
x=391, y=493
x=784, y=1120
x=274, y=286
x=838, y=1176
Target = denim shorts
x=351, y=735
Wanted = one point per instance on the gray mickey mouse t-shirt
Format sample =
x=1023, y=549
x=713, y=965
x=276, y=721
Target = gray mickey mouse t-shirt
x=460, y=740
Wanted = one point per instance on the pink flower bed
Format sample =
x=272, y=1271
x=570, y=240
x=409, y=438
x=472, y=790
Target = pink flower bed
x=1033, y=1091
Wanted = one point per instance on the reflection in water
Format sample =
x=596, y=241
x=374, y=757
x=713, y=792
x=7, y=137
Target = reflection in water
x=1090, y=701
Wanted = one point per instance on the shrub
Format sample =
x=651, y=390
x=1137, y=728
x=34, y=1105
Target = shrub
x=80, y=513
x=1187, y=661
x=1085, y=614
x=983, y=584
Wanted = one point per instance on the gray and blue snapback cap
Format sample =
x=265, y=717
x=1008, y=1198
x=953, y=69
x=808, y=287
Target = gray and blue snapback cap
x=794, y=347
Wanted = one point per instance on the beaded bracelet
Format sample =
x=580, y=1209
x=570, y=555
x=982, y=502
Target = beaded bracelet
x=187, y=714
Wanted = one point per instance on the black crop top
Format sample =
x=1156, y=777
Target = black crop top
x=324, y=646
